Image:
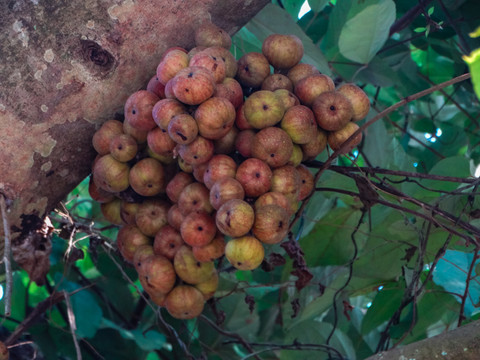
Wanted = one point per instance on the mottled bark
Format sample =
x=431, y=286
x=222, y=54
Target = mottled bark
x=68, y=66
x=462, y=343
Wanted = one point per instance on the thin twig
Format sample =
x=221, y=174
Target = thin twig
x=231, y=335
x=33, y=316
x=73, y=326
x=7, y=250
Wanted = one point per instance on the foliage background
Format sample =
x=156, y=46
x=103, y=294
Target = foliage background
x=385, y=273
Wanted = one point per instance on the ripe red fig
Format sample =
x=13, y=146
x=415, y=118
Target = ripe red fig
x=138, y=110
x=165, y=109
x=167, y=242
x=157, y=275
x=307, y=182
x=129, y=238
x=244, y=142
x=197, y=152
x=224, y=54
x=337, y=138
x=194, y=197
x=215, y=117
x=215, y=65
x=218, y=167
x=103, y=136
x=198, y=228
x=211, y=251
x=277, y=81
x=193, y=85
x=313, y=148
x=226, y=144
x=147, y=177
x=255, y=177
x=111, y=175
x=151, y=216
x=160, y=142
x=235, y=218
x=301, y=71
x=225, y=189
x=210, y=34
x=175, y=217
x=359, y=100
x=282, y=51
x=310, y=87
x=231, y=90
x=332, y=110
x=123, y=147
x=174, y=61
x=271, y=224
x=177, y=184
x=155, y=86
x=272, y=145
x=184, y=302
x=253, y=68
x=128, y=212
x=183, y=129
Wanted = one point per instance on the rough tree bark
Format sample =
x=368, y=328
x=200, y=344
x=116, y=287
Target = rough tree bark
x=462, y=343
x=66, y=68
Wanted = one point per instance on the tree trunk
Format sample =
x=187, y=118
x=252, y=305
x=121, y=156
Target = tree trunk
x=66, y=68
x=462, y=343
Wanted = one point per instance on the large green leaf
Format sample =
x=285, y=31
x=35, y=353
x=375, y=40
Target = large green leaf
x=384, y=305
x=273, y=19
x=366, y=32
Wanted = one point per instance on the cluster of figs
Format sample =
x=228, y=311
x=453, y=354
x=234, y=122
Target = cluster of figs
x=208, y=162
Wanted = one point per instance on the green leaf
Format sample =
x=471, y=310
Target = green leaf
x=145, y=339
x=384, y=305
x=88, y=314
x=273, y=19
x=473, y=61
x=317, y=5
x=364, y=34
x=458, y=166
x=430, y=10
x=419, y=29
x=239, y=318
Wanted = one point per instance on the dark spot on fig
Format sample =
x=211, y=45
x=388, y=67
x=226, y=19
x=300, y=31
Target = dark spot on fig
x=303, y=181
x=280, y=224
x=172, y=245
x=257, y=175
x=199, y=264
x=195, y=157
x=164, y=131
x=149, y=185
x=120, y=147
x=190, y=74
x=214, y=67
x=133, y=111
x=187, y=90
x=183, y=137
x=239, y=263
x=332, y=107
x=194, y=202
x=49, y=173
x=199, y=228
x=272, y=155
x=246, y=68
x=265, y=107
